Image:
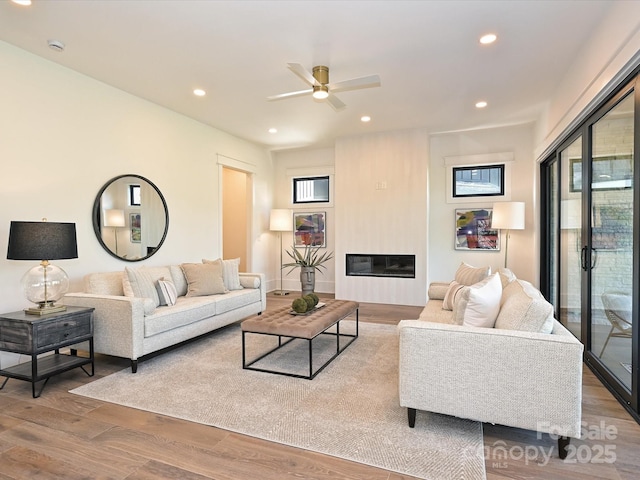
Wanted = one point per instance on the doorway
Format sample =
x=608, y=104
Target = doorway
x=236, y=212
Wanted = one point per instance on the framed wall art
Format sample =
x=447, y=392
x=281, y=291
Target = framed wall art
x=136, y=231
x=473, y=230
x=309, y=229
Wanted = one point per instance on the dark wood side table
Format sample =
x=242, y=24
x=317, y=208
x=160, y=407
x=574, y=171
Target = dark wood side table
x=33, y=335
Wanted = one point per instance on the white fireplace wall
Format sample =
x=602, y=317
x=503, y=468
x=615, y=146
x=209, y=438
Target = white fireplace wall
x=381, y=208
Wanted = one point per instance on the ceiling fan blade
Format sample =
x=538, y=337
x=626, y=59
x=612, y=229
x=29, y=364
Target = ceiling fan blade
x=281, y=96
x=355, y=83
x=335, y=103
x=303, y=73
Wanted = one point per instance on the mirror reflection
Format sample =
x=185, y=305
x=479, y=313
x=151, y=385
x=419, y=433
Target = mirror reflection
x=130, y=217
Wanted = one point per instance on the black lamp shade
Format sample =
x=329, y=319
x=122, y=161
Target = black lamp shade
x=42, y=241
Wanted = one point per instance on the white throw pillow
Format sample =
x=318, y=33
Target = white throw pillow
x=167, y=292
x=478, y=305
x=468, y=275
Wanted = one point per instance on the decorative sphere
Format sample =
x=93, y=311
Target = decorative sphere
x=299, y=305
x=33, y=283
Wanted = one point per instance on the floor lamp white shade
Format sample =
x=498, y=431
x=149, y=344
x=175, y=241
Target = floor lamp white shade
x=507, y=216
x=114, y=217
x=281, y=220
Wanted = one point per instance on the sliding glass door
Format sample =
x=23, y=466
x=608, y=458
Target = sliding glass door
x=590, y=268
x=611, y=261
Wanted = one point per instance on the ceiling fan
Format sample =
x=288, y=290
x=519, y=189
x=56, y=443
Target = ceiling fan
x=321, y=89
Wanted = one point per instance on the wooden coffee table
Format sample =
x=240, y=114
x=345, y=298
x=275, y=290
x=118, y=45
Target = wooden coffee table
x=284, y=325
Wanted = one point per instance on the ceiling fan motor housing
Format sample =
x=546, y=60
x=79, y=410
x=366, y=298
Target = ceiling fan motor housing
x=321, y=74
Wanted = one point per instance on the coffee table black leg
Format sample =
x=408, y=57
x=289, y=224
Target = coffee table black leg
x=310, y=358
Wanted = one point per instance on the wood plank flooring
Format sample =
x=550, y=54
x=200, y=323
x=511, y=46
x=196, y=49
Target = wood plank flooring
x=61, y=435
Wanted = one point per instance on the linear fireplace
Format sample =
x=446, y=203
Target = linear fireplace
x=375, y=265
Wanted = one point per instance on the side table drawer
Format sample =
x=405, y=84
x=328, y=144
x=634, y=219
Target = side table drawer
x=60, y=331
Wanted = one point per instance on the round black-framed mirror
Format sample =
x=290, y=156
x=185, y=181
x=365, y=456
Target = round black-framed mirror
x=130, y=217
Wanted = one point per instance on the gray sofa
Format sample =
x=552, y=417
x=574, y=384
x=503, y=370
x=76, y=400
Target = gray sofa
x=511, y=374
x=129, y=327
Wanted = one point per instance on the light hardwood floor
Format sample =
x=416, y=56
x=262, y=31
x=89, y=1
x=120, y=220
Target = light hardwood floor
x=61, y=435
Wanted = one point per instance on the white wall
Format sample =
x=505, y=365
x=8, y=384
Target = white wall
x=381, y=208
x=612, y=51
x=296, y=163
x=443, y=259
x=64, y=135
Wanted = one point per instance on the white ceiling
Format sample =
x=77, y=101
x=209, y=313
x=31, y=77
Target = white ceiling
x=432, y=67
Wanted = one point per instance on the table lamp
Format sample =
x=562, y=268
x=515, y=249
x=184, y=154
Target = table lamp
x=507, y=216
x=281, y=221
x=44, y=241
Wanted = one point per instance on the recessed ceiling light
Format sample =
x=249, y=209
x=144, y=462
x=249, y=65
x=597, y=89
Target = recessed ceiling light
x=24, y=3
x=481, y=104
x=199, y=92
x=488, y=38
x=56, y=45
x=273, y=130
x=365, y=118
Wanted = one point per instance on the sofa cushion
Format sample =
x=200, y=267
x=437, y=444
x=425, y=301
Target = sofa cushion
x=186, y=311
x=451, y=295
x=166, y=291
x=468, y=275
x=203, y=279
x=179, y=280
x=478, y=305
x=236, y=299
x=525, y=309
x=434, y=313
x=437, y=290
x=230, y=272
x=137, y=282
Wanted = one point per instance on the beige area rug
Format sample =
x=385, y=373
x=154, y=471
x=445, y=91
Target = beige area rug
x=350, y=410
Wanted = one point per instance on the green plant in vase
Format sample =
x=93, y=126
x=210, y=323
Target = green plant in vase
x=309, y=261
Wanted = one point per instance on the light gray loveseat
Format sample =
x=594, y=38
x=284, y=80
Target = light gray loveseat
x=131, y=326
x=510, y=374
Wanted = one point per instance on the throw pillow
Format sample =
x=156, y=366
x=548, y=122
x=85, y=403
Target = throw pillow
x=525, y=309
x=506, y=276
x=137, y=282
x=468, y=275
x=203, y=279
x=167, y=292
x=450, y=297
x=479, y=304
x=230, y=272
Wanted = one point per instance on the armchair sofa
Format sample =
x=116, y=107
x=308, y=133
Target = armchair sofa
x=509, y=374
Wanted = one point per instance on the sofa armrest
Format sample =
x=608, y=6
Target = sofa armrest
x=260, y=277
x=437, y=290
x=118, y=322
x=519, y=379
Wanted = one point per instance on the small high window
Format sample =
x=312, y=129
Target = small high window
x=478, y=181
x=134, y=195
x=311, y=189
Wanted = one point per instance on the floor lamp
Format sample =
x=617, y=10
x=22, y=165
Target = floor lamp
x=507, y=216
x=114, y=218
x=281, y=221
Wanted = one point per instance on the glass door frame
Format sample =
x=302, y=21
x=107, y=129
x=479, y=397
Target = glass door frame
x=628, y=398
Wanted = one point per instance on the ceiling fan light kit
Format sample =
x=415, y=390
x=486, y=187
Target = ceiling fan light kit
x=320, y=92
x=321, y=89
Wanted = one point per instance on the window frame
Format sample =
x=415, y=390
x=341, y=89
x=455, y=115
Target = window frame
x=454, y=187
x=296, y=180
